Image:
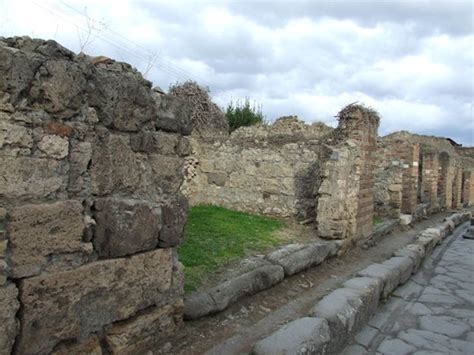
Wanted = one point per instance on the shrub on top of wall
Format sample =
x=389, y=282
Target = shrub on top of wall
x=243, y=114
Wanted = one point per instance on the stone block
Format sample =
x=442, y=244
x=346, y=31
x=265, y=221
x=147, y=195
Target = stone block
x=302, y=336
x=60, y=88
x=89, y=346
x=15, y=135
x=389, y=277
x=370, y=289
x=297, y=257
x=218, y=179
x=174, y=215
x=173, y=114
x=79, y=158
x=9, y=325
x=168, y=172
x=114, y=166
x=184, y=147
x=246, y=284
x=155, y=142
x=449, y=225
x=79, y=302
x=345, y=310
x=125, y=226
x=30, y=178
x=403, y=264
x=427, y=242
x=3, y=272
x=198, y=304
x=434, y=233
x=413, y=251
x=405, y=219
x=3, y=248
x=122, y=98
x=46, y=237
x=145, y=331
x=54, y=146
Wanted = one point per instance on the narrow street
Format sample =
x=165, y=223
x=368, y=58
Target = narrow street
x=433, y=313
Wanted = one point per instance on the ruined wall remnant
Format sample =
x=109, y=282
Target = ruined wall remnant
x=468, y=188
x=388, y=181
x=207, y=119
x=311, y=173
x=91, y=164
x=345, y=204
x=442, y=169
x=263, y=169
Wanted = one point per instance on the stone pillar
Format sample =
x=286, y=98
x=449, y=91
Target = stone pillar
x=410, y=178
x=468, y=188
x=430, y=179
x=360, y=125
x=445, y=188
x=457, y=187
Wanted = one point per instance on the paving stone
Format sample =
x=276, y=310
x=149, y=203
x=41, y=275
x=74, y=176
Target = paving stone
x=419, y=309
x=449, y=326
x=433, y=341
x=425, y=340
x=302, y=336
x=395, y=347
x=366, y=336
x=354, y=350
x=408, y=291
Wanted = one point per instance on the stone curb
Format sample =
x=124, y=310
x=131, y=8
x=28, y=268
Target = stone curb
x=380, y=231
x=258, y=274
x=346, y=310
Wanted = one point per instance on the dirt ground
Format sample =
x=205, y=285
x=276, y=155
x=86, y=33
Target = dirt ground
x=235, y=330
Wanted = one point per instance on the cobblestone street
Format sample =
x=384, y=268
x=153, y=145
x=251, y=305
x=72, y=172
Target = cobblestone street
x=433, y=313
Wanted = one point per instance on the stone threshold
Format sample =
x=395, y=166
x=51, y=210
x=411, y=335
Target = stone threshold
x=336, y=318
x=257, y=274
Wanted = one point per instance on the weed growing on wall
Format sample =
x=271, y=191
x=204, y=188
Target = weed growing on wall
x=242, y=114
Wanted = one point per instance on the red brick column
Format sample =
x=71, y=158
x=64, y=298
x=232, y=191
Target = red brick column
x=430, y=179
x=457, y=187
x=468, y=188
x=361, y=125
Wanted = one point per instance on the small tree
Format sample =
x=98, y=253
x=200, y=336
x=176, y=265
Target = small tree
x=243, y=114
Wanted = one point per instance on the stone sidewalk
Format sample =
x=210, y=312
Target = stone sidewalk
x=433, y=313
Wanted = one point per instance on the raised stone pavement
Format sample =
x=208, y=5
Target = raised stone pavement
x=433, y=313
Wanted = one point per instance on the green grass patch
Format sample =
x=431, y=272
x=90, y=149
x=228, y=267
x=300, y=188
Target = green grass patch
x=216, y=236
x=377, y=220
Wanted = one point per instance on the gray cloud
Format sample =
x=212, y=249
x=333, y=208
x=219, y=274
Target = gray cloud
x=410, y=60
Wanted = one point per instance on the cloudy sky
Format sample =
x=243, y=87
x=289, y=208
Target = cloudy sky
x=412, y=61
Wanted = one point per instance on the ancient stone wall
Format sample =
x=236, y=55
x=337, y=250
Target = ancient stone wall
x=91, y=164
x=290, y=169
x=264, y=169
x=435, y=172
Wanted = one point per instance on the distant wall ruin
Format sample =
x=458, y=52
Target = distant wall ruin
x=291, y=169
x=91, y=163
x=435, y=174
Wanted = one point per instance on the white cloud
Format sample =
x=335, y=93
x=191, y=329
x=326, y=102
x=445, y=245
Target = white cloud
x=412, y=61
